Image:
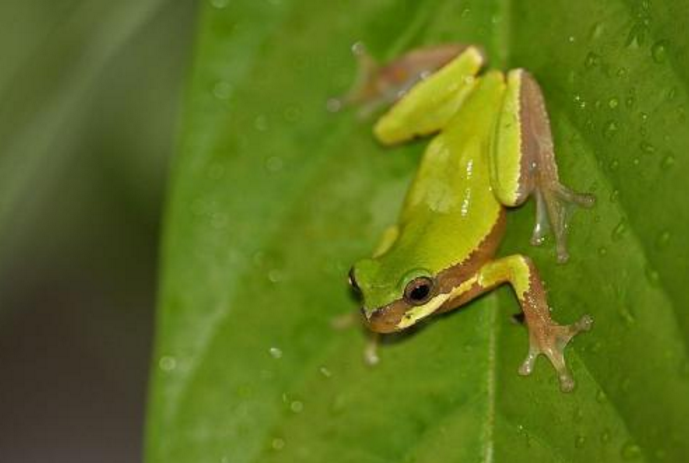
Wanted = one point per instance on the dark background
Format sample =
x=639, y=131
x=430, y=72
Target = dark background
x=91, y=93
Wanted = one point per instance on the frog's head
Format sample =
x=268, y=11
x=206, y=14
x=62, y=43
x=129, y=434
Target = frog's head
x=394, y=300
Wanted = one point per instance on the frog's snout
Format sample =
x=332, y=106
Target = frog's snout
x=386, y=319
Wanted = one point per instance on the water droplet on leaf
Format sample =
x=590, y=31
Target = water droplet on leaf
x=663, y=239
x=275, y=352
x=659, y=51
x=619, y=231
x=592, y=60
x=630, y=451
x=167, y=363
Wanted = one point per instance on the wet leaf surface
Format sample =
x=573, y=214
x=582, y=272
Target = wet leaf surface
x=272, y=199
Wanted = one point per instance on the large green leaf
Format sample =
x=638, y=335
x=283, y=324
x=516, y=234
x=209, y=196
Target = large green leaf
x=272, y=199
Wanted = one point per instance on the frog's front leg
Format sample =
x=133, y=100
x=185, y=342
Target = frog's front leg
x=545, y=336
x=523, y=161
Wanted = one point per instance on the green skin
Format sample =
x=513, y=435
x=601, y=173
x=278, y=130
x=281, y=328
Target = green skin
x=492, y=149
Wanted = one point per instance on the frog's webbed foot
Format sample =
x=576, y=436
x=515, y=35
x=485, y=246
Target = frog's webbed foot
x=554, y=207
x=550, y=339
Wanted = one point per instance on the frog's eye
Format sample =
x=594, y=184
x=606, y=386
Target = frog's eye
x=418, y=291
x=352, y=280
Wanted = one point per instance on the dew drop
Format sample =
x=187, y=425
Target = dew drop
x=672, y=93
x=333, y=105
x=605, y=436
x=167, y=363
x=275, y=276
x=610, y=129
x=630, y=451
x=261, y=123
x=644, y=117
x=219, y=221
x=637, y=35
x=571, y=39
x=602, y=251
x=646, y=147
x=592, y=60
x=325, y=372
x=277, y=444
x=596, y=31
x=219, y=4
x=659, y=51
x=652, y=276
x=296, y=406
x=291, y=113
x=222, y=90
x=275, y=352
x=663, y=239
x=619, y=231
x=613, y=103
x=627, y=316
x=668, y=161
x=579, y=441
x=274, y=164
x=614, y=165
x=600, y=396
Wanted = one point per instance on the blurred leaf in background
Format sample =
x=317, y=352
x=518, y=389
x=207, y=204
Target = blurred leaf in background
x=273, y=199
x=90, y=93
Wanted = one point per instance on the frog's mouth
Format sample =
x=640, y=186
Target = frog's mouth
x=400, y=314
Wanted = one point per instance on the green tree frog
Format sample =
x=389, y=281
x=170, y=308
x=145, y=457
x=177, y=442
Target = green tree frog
x=491, y=149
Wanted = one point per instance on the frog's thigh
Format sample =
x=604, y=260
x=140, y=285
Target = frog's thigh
x=513, y=153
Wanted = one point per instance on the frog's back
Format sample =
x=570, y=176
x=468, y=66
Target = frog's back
x=451, y=197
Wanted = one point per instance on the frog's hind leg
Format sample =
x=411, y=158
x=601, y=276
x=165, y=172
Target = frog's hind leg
x=377, y=86
x=545, y=335
x=524, y=162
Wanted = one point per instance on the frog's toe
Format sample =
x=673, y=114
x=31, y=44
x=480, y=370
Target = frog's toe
x=551, y=340
x=554, y=207
x=526, y=367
